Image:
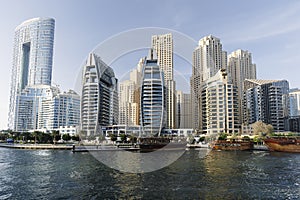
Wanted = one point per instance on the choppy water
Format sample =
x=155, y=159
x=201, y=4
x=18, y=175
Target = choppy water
x=45, y=174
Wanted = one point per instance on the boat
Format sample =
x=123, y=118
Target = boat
x=198, y=145
x=232, y=145
x=149, y=144
x=283, y=144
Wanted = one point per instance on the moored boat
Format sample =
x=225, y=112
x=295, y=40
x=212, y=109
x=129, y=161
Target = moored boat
x=149, y=144
x=283, y=144
x=232, y=145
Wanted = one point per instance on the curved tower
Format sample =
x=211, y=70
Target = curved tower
x=153, y=106
x=32, y=59
x=99, y=96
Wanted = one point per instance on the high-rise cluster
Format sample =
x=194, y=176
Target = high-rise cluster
x=267, y=101
x=228, y=97
x=129, y=97
x=34, y=103
x=225, y=94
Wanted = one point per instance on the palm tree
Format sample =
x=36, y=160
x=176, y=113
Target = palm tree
x=54, y=134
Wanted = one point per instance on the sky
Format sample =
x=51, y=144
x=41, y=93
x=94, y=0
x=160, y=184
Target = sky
x=269, y=29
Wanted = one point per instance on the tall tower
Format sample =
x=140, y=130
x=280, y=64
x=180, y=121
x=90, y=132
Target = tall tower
x=163, y=46
x=128, y=112
x=32, y=59
x=208, y=59
x=99, y=96
x=152, y=99
x=266, y=101
x=129, y=97
x=240, y=68
x=184, y=110
x=219, y=112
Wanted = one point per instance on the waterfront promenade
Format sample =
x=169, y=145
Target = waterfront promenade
x=36, y=146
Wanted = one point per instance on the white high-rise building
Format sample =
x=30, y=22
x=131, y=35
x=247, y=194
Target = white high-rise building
x=128, y=112
x=208, y=59
x=32, y=59
x=59, y=110
x=28, y=106
x=219, y=110
x=99, y=96
x=44, y=107
x=163, y=46
x=152, y=98
x=129, y=97
x=240, y=68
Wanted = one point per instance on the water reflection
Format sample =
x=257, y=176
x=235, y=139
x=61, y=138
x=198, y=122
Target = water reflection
x=220, y=175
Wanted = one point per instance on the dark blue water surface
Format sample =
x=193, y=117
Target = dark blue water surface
x=54, y=174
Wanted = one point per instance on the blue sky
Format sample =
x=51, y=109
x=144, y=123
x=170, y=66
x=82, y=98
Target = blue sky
x=268, y=29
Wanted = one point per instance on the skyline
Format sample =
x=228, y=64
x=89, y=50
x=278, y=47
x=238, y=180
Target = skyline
x=267, y=32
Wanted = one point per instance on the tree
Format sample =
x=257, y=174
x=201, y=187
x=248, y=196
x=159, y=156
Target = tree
x=123, y=137
x=66, y=137
x=35, y=135
x=262, y=129
x=202, y=139
x=55, y=136
x=113, y=137
x=75, y=137
x=132, y=139
x=222, y=136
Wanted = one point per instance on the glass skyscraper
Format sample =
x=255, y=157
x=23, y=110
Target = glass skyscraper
x=153, y=102
x=32, y=59
x=99, y=96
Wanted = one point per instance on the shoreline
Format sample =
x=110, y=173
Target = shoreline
x=86, y=148
x=36, y=146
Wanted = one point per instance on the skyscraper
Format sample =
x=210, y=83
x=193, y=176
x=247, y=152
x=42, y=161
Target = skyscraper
x=99, y=96
x=153, y=108
x=240, y=68
x=43, y=107
x=266, y=101
x=163, y=46
x=32, y=59
x=129, y=97
x=208, y=59
x=59, y=110
x=219, y=107
x=184, y=110
x=28, y=105
x=128, y=108
x=294, y=96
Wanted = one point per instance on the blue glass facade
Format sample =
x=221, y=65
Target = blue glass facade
x=153, y=106
x=32, y=59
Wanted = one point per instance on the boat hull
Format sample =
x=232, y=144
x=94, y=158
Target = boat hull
x=290, y=145
x=233, y=145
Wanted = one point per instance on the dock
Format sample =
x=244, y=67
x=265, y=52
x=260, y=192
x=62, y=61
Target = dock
x=36, y=146
x=95, y=148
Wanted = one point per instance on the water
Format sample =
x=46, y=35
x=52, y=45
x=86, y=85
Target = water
x=45, y=174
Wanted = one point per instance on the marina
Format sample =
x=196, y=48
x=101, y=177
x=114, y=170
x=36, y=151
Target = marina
x=60, y=174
